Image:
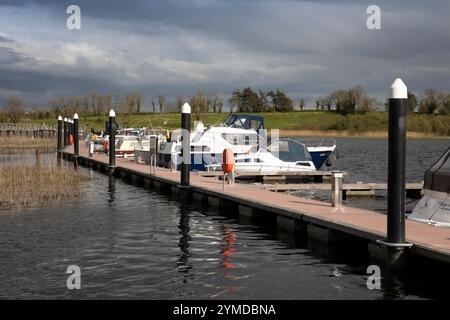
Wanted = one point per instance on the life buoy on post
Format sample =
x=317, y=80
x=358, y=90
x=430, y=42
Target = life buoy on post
x=228, y=165
x=70, y=139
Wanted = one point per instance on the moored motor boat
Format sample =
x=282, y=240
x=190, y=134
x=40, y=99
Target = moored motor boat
x=242, y=133
x=263, y=163
x=434, y=207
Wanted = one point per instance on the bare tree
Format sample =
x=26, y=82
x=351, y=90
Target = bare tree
x=198, y=104
x=214, y=103
x=14, y=109
x=217, y=103
x=301, y=103
x=162, y=103
x=179, y=101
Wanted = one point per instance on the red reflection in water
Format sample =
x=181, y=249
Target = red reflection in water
x=230, y=239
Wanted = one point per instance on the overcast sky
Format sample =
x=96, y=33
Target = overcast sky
x=178, y=47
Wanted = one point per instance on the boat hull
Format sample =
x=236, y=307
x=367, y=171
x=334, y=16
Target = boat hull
x=319, y=158
x=433, y=208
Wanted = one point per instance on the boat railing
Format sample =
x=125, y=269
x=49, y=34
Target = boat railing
x=317, y=142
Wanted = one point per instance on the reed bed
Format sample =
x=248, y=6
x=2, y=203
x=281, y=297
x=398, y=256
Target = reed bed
x=19, y=145
x=31, y=186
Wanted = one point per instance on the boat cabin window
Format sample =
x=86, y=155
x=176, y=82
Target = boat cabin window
x=200, y=148
x=303, y=164
x=255, y=125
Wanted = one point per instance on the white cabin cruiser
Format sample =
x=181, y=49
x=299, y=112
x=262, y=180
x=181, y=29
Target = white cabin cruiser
x=238, y=133
x=263, y=162
x=434, y=207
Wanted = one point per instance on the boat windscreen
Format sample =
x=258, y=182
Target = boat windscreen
x=290, y=151
x=245, y=121
x=437, y=178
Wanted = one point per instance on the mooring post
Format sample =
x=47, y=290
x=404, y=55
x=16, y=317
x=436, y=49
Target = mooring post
x=337, y=178
x=112, y=140
x=76, y=145
x=91, y=149
x=59, y=140
x=70, y=130
x=186, y=144
x=66, y=134
x=396, y=162
x=395, y=242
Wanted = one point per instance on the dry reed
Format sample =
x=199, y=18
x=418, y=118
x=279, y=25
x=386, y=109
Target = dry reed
x=18, y=145
x=31, y=186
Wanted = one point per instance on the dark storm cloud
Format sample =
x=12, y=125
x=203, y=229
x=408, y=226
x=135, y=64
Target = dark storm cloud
x=178, y=47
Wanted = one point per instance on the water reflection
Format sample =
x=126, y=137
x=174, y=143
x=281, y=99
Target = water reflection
x=111, y=191
x=227, y=249
x=183, y=264
x=393, y=286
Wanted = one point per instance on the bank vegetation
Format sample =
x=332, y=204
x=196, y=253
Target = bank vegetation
x=31, y=186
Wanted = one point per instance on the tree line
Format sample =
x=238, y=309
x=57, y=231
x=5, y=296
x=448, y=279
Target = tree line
x=349, y=101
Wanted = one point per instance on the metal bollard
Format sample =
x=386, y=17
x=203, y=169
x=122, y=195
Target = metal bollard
x=91, y=149
x=76, y=145
x=66, y=133
x=112, y=139
x=59, y=139
x=398, y=100
x=186, y=144
x=337, y=178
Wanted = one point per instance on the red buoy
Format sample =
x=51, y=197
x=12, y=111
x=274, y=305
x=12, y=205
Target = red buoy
x=70, y=139
x=227, y=161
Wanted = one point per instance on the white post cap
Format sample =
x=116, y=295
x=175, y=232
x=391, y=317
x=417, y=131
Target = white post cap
x=112, y=113
x=186, y=108
x=75, y=116
x=398, y=90
x=65, y=119
x=59, y=118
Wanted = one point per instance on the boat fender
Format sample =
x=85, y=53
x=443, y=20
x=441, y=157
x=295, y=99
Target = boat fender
x=227, y=161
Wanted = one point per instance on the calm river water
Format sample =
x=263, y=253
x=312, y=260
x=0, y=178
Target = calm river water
x=134, y=243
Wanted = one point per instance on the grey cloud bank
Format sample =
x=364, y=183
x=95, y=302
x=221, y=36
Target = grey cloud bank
x=178, y=47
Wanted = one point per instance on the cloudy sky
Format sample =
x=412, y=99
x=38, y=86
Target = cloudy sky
x=178, y=47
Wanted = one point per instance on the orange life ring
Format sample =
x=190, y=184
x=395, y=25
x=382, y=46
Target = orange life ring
x=70, y=139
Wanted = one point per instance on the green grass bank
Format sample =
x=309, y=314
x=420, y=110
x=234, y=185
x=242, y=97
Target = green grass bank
x=307, y=122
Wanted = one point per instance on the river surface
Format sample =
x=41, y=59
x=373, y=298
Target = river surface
x=132, y=243
x=365, y=160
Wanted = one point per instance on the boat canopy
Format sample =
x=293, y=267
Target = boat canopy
x=290, y=150
x=245, y=121
x=437, y=178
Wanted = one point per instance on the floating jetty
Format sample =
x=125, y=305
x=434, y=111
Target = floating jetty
x=413, y=190
x=291, y=214
x=317, y=176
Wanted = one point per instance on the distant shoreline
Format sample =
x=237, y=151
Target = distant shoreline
x=354, y=134
x=294, y=124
